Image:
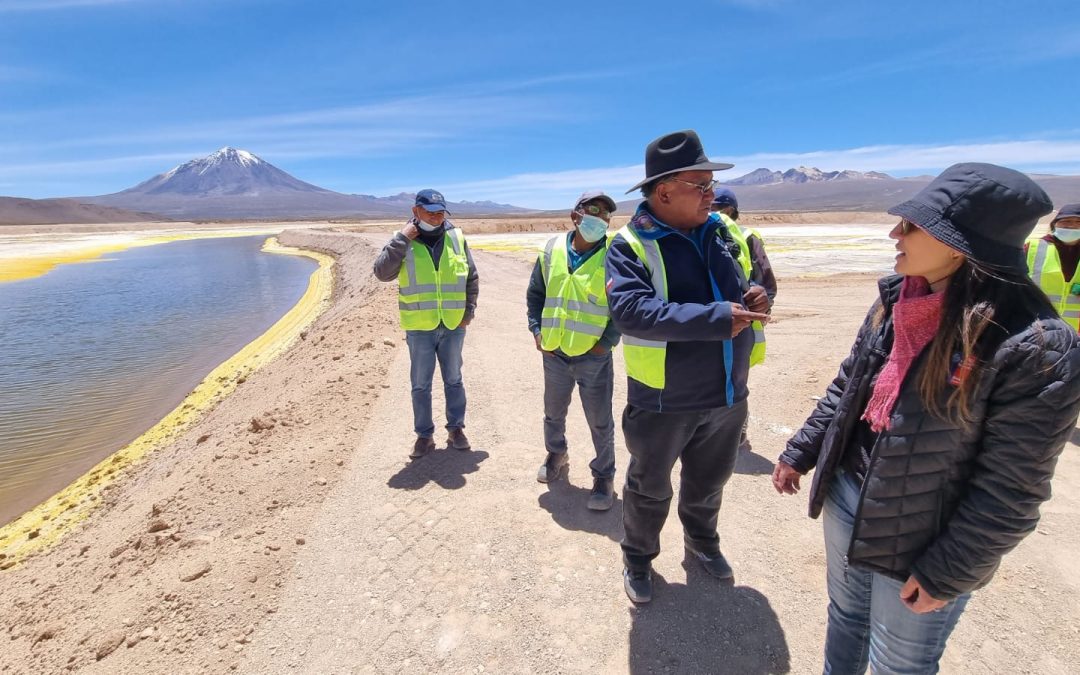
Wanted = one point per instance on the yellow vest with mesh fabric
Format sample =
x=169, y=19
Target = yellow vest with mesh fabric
x=740, y=235
x=646, y=359
x=1044, y=265
x=575, y=309
x=429, y=296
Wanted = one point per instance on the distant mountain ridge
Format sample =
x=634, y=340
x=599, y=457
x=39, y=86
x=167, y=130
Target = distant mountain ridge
x=802, y=174
x=236, y=184
x=810, y=189
x=19, y=211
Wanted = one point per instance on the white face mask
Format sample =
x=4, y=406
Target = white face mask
x=1066, y=236
x=427, y=227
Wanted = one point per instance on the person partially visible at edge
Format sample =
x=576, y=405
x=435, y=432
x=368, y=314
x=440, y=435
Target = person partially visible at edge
x=684, y=308
x=568, y=317
x=755, y=265
x=1051, y=261
x=936, y=443
x=437, y=290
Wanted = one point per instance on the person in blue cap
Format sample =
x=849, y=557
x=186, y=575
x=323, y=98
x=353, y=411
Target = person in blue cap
x=568, y=317
x=437, y=290
x=935, y=444
x=755, y=263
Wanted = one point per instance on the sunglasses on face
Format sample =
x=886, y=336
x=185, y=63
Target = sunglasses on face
x=703, y=188
x=907, y=227
x=594, y=210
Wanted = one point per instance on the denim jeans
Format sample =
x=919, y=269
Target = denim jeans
x=425, y=346
x=868, y=623
x=595, y=380
x=707, y=442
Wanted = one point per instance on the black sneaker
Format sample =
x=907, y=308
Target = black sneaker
x=602, y=495
x=714, y=563
x=422, y=447
x=556, y=464
x=638, y=585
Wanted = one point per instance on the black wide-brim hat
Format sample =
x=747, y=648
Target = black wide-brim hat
x=984, y=211
x=675, y=152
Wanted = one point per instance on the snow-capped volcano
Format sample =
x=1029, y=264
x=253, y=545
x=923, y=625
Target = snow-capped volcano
x=233, y=183
x=228, y=171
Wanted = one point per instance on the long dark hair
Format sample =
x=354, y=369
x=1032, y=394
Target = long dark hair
x=982, y=306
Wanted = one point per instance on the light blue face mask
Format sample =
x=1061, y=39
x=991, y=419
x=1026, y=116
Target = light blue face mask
x=592, y=228
x=1066, y=235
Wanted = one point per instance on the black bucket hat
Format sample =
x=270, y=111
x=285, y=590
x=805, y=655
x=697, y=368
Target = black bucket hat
x=984, y=211
x=675, y=152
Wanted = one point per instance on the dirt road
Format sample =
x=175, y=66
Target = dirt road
x=461, y=561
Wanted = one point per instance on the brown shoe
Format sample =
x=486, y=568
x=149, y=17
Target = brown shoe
x=422, y=447
x=456, y=440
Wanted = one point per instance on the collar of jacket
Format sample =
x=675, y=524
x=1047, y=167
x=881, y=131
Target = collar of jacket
x=889, y=289
x=647, y=226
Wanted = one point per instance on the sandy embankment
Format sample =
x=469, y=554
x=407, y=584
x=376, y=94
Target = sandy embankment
x=314, y=545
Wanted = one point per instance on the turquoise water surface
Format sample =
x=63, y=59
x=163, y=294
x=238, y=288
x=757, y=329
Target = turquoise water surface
x=94, y=354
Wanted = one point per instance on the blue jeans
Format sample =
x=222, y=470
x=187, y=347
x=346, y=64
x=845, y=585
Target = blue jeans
x=868, y=623
x=424, y=347
x=595, y=380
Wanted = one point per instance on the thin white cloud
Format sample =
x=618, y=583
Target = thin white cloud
x=48, y=5
x=557, y=189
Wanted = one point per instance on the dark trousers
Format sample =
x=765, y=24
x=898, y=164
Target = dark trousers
x=594, y=378
x=707, y=442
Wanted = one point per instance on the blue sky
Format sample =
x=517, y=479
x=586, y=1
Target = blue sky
x=528, y=103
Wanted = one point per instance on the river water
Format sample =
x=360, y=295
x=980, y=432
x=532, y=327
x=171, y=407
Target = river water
x=93, y=354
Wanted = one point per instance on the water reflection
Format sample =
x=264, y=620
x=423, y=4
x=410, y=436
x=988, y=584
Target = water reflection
x=96, y=353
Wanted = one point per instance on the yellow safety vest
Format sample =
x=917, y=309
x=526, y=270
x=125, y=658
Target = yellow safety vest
x=1044, y=265
x=646, y=359
x=740, y=236
x=429, y=296
x=575, y=309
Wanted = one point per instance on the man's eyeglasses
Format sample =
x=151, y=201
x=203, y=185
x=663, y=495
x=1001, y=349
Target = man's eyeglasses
x=907, y=227
x=704, y=189
x=594, y=210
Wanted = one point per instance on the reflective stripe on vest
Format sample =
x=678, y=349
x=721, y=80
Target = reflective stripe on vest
x=575, y=309
x=429, y=296
x=646, y=359
x=757, y=355
x=1044, y=264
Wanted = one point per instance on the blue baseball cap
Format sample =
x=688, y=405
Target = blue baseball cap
x=431, y=200
x=724, y=197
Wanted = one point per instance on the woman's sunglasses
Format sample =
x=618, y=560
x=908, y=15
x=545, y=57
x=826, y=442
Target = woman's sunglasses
x=907, y=227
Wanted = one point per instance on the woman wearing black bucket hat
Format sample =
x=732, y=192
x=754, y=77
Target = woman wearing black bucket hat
x=935, y=444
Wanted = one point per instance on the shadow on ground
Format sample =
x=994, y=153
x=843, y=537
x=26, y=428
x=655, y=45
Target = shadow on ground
x=1075, y=438
x=706, y=626
x=749, y=463
x=566, y=504
x=446, y=468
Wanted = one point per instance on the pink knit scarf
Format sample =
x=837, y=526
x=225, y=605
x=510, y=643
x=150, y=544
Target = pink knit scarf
x=916, y=317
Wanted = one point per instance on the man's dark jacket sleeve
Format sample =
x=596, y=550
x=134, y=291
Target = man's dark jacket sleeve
x=388, y=262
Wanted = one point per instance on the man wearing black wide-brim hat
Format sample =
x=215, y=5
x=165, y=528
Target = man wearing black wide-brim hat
x=683, y=305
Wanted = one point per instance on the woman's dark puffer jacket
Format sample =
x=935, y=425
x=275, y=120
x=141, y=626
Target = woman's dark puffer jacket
x=939, y=501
